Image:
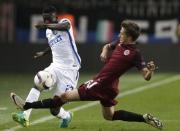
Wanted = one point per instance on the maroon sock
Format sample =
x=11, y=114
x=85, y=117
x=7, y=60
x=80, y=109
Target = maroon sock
x=58, y=101
x=127, y=116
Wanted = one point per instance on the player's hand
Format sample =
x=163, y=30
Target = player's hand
x=151, y=66
x=38, y=54
x=41, y=26
x=105, y=54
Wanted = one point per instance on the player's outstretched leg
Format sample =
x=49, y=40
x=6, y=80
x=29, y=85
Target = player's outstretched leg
x=153, y=121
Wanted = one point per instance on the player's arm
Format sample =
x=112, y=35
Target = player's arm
x=42, y=53
x=148, y=70
x=107, y=50
x=63, y=26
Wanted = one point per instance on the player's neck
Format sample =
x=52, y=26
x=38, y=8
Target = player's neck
x=129, y=43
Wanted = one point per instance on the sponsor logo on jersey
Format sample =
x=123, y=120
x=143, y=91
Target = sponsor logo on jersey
x=55, y=40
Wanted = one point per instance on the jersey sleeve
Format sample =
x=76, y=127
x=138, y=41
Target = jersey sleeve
x=139, y=61
x=65, y=20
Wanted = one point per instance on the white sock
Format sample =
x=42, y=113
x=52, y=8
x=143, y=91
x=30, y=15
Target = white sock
x=63, y=114
x=32, y=96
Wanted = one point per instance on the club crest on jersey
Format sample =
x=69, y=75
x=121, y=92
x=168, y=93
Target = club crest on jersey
x=126, y=52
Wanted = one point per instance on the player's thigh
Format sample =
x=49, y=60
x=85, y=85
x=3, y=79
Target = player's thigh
x=72, y=95
x=71, y=77
x=108, y=112
x=66, y=81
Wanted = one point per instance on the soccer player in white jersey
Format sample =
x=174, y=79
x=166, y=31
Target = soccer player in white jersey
x=64, y=69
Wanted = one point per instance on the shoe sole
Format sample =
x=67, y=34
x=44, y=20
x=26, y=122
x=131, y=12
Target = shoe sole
x=13, y=95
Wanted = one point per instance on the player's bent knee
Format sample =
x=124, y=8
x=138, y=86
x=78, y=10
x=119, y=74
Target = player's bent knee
x=54, y=111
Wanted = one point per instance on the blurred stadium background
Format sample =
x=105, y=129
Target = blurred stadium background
x=95, y=22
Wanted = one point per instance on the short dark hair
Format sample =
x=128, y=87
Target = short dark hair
x=131, y=29
x=49, y=9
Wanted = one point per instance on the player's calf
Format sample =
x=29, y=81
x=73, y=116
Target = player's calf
x=127, y=116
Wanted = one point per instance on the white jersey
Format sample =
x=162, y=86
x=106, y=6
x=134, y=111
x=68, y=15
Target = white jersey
x=63, y=47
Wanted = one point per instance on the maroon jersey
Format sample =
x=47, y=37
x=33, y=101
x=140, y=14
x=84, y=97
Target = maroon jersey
x=124, y=57
x=104, y=87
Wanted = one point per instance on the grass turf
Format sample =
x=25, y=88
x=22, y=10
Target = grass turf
x=162, y=102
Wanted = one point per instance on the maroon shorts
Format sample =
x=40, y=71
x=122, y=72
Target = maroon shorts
x=93, y=91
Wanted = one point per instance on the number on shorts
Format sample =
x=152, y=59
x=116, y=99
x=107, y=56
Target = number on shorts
x=69, y=88
x=90, y=83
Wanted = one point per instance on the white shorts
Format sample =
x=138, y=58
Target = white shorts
x=65, y=79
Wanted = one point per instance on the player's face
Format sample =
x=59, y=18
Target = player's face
x=54, y=17
x=49, y=17
x=123, y=36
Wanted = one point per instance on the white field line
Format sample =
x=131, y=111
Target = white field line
x=3, y=108
x=171, y=120
x=122, y=94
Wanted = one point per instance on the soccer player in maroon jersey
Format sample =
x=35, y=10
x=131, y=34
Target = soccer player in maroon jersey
x=119, y=56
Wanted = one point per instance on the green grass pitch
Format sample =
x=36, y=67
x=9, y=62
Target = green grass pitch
x=160, y=96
